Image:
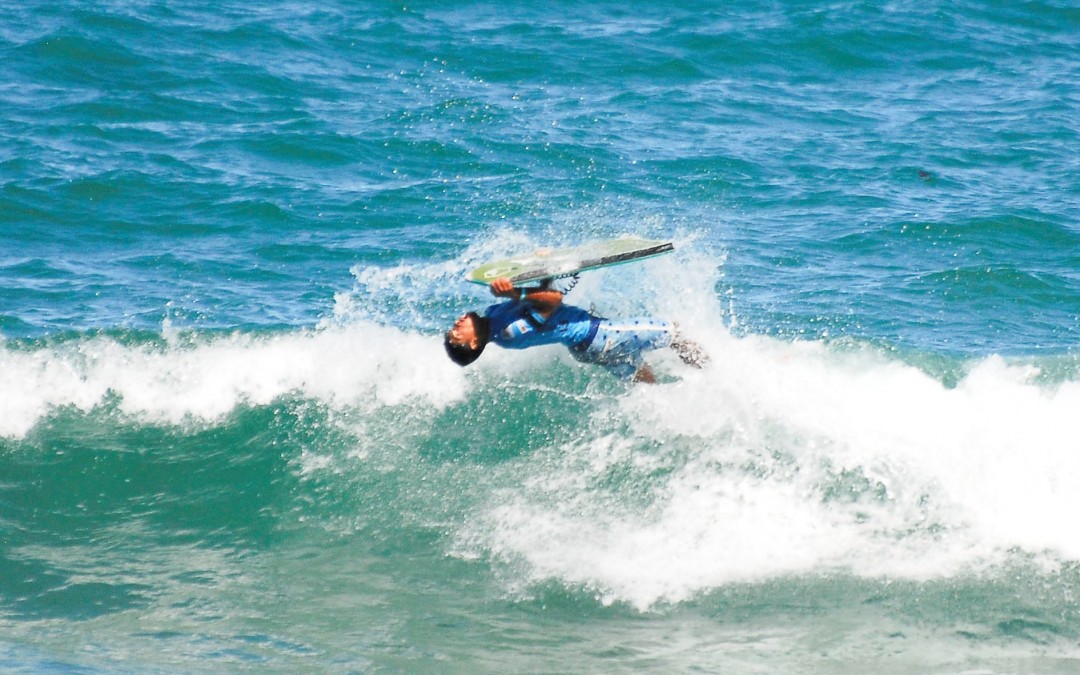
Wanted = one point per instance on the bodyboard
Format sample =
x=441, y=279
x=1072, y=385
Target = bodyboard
x=545, y=264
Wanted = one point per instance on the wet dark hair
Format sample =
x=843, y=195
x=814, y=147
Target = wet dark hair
x=462, y=354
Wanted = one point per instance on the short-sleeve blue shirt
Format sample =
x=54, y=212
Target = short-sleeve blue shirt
x=516, y=324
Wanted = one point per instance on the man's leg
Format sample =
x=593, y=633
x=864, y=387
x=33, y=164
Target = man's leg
x=644, y=374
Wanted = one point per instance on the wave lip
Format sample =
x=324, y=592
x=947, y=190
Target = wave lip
x=202, y=379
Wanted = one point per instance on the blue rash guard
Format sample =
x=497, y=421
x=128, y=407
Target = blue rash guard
x=516, y=324
x=615, y=345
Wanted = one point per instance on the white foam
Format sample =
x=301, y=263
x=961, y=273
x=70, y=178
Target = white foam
x=793, y=458
x=205, y=380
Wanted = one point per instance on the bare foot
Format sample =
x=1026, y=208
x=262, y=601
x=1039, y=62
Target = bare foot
x=689, y=351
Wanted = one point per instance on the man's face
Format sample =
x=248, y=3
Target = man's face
x=463, y=334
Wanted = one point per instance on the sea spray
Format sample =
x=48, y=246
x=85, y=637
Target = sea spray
x=787, y=459
x=207, y=377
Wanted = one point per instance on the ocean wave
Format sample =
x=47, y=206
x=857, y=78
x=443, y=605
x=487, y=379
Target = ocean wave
x=779, y=459
x=789, y=459
x=180, y=380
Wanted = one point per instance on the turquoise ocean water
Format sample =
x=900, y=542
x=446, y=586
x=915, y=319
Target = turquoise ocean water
x=231, y=234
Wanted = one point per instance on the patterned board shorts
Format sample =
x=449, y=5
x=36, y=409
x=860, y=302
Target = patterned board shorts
x=619, y=346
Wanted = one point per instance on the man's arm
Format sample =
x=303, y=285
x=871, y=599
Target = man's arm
x=546, y=300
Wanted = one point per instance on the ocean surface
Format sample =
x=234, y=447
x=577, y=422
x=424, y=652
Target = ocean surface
x=232, y=233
